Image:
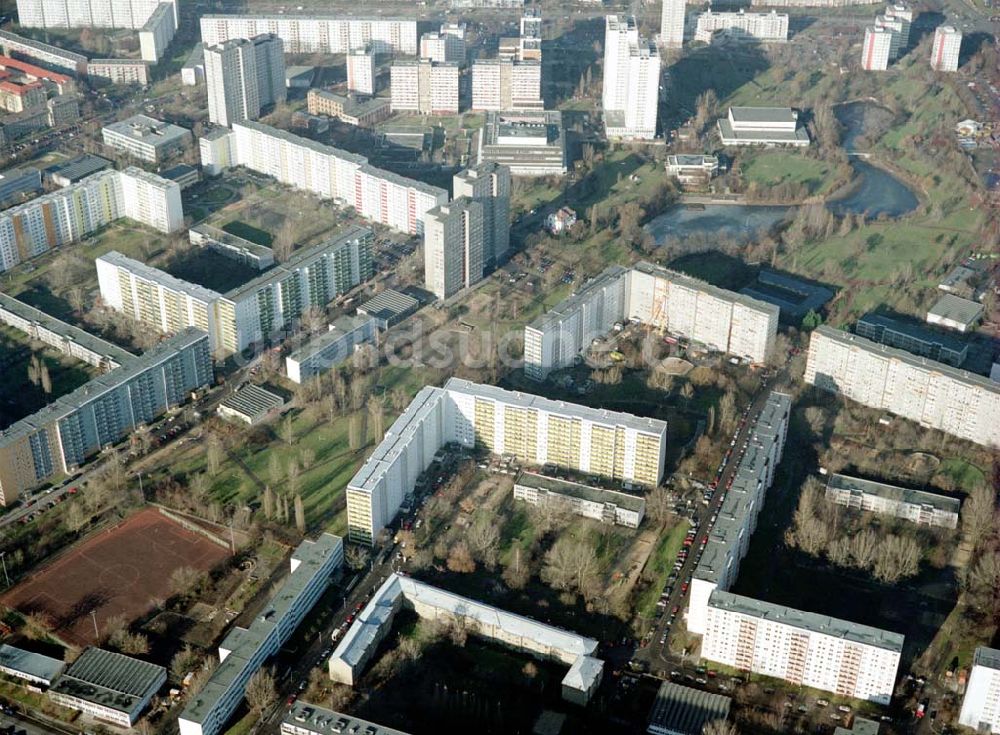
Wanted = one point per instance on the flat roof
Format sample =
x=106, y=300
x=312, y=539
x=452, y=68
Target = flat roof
x=44, y=47
x=252, y=400
x=988, y=657
x=79, y=167
x=329, y=722
x=389, y=304
x=353, y=107
x=155, y=275
x=917, y=331
x=308, y=16
x=808, y=621
x=955, y=308
x=681, y=709
x=691, y=159
x=860, y=726
x=32, y=664
x=894, y=492
x=110, y=679
x=573, y=410
x=148, y=130
x=340, y=327
x=581, y=491
x=699, y=285
x=34, y=71
x=893, y=353
x=235, y=241
x=609, y=277
x=763, y=114
x=762, y=134
x=811, y=295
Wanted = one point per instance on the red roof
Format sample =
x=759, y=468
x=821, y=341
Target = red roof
x=18, y=89
x=36, y=71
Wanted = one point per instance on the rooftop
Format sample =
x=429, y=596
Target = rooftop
x=916, y=331
x=389, y=304
x=340, y=326
x=234, y=241
x=35, y=71
x=110, y=679
x=808, y=621
x=353, y=107
x=78, y=168
x=988, y=657
x=46, y=48
x=957, y=309
x=893, y=492
x=252, y=400
x=860, y=726
x=579, y=490
x=327, y=722
x=681, y=709
x=609, y=277
x=763, y=114
x=36, y=665
x=683, y=279
x=155, y=275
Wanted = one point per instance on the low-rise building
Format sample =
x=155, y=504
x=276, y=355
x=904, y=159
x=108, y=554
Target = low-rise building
x=109, y=686
x=304, y=718
x=528, y=143
x=917, y=506
x=183, y=175
x=389, y=307
x=33, y=668
x=767, y=126
x=374, y=622
x=794, y=296
x=45, y=54
x=692, y=170
x=299, y=77
x=250, y=254
x=914, y=338
x=59, y=83
x=955, y=313
x=251, y=404
x=606, y=506
x=859, y=726
x=981, y=704
x=76, y=169
x=560, y=221
x=193, y=71
x=351, y=110
x=331, y=348
x=146, y=138
x=681, y=710
x=960, y=281
x=19, y=183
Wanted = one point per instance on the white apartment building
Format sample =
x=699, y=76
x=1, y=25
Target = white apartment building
x=737, y=517
x=931, y=393
x=631, y=90
x=742, y=26
x=129, y=14
x=489, y=184
x=895, y=28
x=444, y=47
x=215, y=151
x=713, y=317
x=120, y=71
x=424, y=86
x=157, y=32
x=803, y=648
x=331, y=173
x=329, y=349
x=599, y=504
x=244, y=76
x=453, y=247
x=507, y=85
x=608, y=444
x=361, y=70
x=916, y=506
x=981, y=705
x=672, y=23
x=876, y=49
x=244, y=650
x=318, y=33
x=904, y=14
x=945, y=48
x=71, y=213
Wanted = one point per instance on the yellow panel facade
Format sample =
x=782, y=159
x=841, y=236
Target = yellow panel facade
x=485, y=426
x=564, y=442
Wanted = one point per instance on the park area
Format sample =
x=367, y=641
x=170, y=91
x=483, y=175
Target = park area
x=122, y=571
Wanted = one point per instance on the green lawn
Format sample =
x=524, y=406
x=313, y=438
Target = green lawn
x=966, y=475
x=772, y=168
x=658, y=568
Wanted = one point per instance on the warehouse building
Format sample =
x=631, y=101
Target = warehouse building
x=108, y=686
x=250, y=404
x=606, y=506
x=681, y=710
x=955, y=313
x=328, y=350
x=389, y=307
x=767, y=126
x=244, y=650
x=916, y=506
x=374, y=622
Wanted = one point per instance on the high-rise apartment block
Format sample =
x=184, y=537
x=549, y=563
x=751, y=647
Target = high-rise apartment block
x=904, y=14
x=945, y=48
x=453, y=247
x=713, y=317
x=609, y=444
x=60, y=437
x=425, y=86
x=742, y=26
x=934, y=395
x=672, y=23
x=361, y=70
x=258, y=310
x=507, y=85
x=530, y=41
x=378, y=195
x=804, y=648
x=316, y=34
x=71, y=213
x=489, y=184
x=730, y=536
x=631, y=80
x=130, y=14
x=244, y=76
x=981, y=705
x=876, y=50
x=446, y=45
x=895, y=28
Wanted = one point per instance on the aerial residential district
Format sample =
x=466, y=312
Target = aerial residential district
x=510, y=367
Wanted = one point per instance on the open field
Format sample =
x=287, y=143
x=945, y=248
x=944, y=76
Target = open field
x=774, y=168
x=120, y=571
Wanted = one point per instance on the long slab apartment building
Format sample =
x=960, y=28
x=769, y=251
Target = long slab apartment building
x=346, y=178
x=311, y=34
x=537, y=430
x=931, y=393
x=250, y=313
x=721, y=320
x=72, y=213
x=61, y=436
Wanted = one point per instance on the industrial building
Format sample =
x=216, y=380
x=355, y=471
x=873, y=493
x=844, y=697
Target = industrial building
x=329, y=349
x=528, y=143
x=600, y=504
x=374, y=622
x=917, y=506
x=108, y=686
x=244, y=650
x=803, y=648
x=767, y=126
x=631, y=91
x=608, y=444
x=742, y=26
x=914, y=338
x=145, y=138
x=933, y=394
x=730, y=536
x=316, y=33
x=981, y=704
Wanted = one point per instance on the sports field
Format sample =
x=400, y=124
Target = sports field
x=119, y=571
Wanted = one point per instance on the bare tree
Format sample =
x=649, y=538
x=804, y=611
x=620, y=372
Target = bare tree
x=484, y=538
x=376, y=419
x=720, y=727
x=261, y=692
x=355, y=432
x=571, y=565
x=658, y=505
x=518, y=570
x=300, y=515
x=460, y=560
x=979, y=514
x=864, y=547
x=356, y=556
x=288, y=431
x=268, y=502
x=213, y=453
x=184, y=579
